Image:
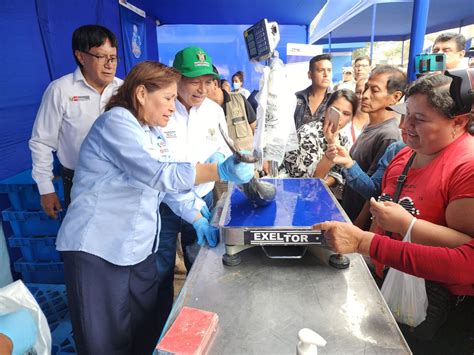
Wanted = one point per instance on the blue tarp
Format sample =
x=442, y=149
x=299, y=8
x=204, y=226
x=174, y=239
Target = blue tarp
x=36, y=48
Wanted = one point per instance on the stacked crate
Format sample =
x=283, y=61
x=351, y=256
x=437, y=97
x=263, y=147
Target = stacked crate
x=53, y=302
x=40, y=265
x=34, y=233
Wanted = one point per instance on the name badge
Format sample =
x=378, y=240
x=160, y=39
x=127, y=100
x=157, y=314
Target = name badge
x=170, y=134
x=79, y=98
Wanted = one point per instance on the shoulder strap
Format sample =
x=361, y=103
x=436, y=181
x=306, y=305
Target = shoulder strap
x=400, y=182
x=402, y=178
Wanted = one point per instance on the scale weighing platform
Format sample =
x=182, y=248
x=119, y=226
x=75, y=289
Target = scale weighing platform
x=287, y=221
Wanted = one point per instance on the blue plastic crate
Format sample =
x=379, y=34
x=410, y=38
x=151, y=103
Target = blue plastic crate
x=27, y=223
x=62, y=339
x=35, y=272
x=53, y=302
x=23, y=191
x=36, y=248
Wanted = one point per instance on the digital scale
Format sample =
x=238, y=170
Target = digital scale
x=261, y=40
x=287, y=221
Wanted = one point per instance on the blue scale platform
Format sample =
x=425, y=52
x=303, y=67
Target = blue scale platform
x=298, y=203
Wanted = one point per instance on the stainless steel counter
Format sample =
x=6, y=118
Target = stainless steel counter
x=262, y=303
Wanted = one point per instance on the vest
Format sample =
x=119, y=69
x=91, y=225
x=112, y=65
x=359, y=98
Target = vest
x=237, y=123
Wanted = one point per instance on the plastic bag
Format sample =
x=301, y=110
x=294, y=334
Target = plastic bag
x=276, y=132
x=16, y=296
x=405, y=294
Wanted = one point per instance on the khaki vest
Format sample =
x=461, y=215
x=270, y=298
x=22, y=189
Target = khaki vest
x=237, y=123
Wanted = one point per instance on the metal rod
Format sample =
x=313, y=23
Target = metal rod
x=417, y=38
x=372, y=32
x=403, y=50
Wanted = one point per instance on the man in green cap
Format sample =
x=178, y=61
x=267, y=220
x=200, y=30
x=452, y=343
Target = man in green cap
x=192, y=135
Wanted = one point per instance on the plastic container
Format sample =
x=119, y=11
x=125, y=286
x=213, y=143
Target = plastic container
x=35, y=272
x=28, y=224
x=62, y=340
x=53, y=302
x=36, y=249
x=23, y=191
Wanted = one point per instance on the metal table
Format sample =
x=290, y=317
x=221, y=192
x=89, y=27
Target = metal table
x=263, y=302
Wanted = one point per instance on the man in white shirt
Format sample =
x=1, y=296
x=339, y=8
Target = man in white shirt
x=68, y=109
x=453, y=45
x=192, y=135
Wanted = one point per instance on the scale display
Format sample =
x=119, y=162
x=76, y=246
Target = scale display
x=261, y=40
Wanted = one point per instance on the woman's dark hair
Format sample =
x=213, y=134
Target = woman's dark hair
x=152, y=75
x=436, y=89
x=88, y=36
x=240, y=75
x=347, y=94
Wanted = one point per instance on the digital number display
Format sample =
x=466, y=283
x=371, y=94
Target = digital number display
x=256, y=40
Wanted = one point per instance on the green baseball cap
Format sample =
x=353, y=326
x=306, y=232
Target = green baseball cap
x=193, y=62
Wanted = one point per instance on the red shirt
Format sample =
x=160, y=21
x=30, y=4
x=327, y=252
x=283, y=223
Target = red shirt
x=428, y=191
x=452, y=267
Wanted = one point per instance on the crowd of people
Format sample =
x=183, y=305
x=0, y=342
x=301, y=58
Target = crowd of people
x=134, y=179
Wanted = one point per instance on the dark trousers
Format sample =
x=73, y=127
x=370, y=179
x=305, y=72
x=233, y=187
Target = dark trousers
x=113, y=308
x=67, y=175
x=171, y=225
x=456, y=335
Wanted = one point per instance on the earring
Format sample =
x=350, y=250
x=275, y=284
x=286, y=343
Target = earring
x=453, y=133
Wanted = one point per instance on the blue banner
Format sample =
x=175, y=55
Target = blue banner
x=133, y=37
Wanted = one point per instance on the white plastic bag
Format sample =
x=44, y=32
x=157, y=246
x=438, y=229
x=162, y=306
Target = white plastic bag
x=405, y=294
x=276, y=132
x=16, y=296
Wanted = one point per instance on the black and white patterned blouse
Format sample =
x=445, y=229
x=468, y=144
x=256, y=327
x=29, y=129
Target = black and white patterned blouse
x=312, y=145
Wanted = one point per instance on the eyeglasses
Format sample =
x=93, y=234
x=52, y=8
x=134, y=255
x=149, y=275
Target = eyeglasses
x=103, y=59
x=361, y=66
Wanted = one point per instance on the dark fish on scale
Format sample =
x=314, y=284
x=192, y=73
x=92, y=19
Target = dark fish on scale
x=259, y=192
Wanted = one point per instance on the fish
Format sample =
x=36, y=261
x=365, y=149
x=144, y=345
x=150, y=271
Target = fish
x=259, y=192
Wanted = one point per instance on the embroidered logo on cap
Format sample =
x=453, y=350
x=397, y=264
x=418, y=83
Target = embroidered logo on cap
x=201, y=56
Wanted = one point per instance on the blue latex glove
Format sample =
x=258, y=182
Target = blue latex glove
x=205, y=230
x=231, y=170
x=21, y=328
x=206, y=213
x=216, y=158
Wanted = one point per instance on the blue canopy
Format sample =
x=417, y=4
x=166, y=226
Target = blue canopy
x=351, y=21
x=212, y=12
